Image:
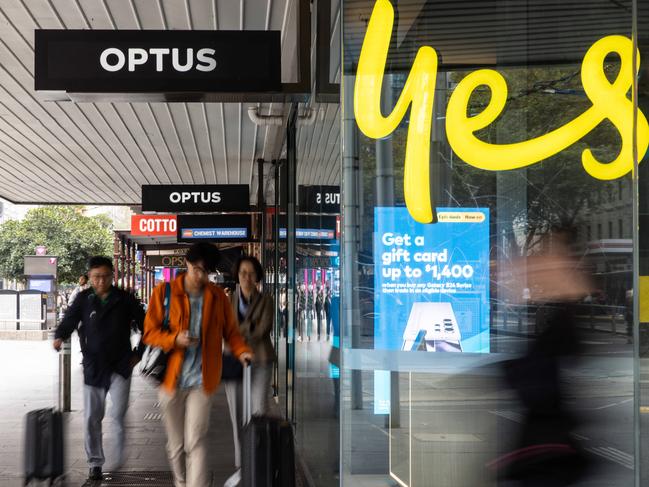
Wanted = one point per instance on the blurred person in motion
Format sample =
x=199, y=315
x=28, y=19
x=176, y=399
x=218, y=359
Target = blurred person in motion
x=283, y=311
x=254, y=312
x=81, y=286
x=200, y=318
x=326, y=306
x=300, y=311
x=546, y=454
x=319, y=301
x=103, y=316
x=310, y=311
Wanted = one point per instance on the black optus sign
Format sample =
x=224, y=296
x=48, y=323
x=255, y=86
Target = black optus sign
x=319, y=199
x=179, y=198
x=157, y=61
x=214, y=228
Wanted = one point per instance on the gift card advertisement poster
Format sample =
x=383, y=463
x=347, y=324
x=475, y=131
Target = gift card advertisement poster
x=431, y=284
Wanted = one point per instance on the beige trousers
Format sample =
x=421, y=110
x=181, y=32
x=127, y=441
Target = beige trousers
x=186, y=415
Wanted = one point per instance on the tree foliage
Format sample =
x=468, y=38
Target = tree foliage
x=64, y=231
x=558, y=191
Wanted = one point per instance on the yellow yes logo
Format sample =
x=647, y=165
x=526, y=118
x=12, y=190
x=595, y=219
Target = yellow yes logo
x=609, y=101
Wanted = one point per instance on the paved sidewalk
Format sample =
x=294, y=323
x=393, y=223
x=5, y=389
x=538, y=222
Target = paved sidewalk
x=29, y=375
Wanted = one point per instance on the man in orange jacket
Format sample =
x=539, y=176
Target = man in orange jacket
x=199, y=319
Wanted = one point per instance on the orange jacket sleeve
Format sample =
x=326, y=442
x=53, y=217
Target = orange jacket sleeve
x=153, y=334
x=231, y=330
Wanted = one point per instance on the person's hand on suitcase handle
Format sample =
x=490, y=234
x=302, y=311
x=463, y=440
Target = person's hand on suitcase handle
x=57, y=344
x=246, y=358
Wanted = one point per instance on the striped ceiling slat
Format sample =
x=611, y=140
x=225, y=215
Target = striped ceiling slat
x=101, y=153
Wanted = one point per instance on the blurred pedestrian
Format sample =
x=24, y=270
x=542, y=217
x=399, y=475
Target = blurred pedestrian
x=103, y=316
x=301, y=311
x=319, y=301
x=254, y=313
x=283, y=311
x=200, y=318
x=81, y=286
x=327, y=310
x=309, y=306
x=547, y=454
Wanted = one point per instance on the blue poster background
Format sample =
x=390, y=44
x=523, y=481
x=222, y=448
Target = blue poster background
x=445, y=262
x=416, y=264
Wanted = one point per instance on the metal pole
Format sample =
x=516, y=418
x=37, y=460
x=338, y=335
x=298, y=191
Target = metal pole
x=126, y=283
x=148, y=275
x=385, y=197
x=151, y=280
x=277, y=285
x=115, y=260
x=133, y=266
x=261, y=206
x=291, y=186
x=122, y=261
x=637, y=390
x=142, y=278
x=65, y=366
x=350, y=332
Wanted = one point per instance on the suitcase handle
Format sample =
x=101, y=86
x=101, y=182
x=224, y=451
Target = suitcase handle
x=247, y=392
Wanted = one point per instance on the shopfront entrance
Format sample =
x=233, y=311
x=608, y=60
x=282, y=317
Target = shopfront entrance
x=492, y=331
x=448, y=199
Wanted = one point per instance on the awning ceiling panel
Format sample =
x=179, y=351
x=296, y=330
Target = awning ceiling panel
x=484, y=32
x=102, y=152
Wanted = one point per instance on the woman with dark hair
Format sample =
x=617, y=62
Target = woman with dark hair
x=254, y=312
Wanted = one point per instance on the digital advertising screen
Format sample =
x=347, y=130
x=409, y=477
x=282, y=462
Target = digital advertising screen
x=431, y=285
x=44, y=285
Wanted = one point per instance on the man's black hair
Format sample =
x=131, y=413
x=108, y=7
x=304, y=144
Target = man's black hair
x=204, y=252
x=99, y=261
x=259, y=270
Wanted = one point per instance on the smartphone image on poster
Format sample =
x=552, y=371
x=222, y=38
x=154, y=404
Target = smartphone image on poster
x=432, y=327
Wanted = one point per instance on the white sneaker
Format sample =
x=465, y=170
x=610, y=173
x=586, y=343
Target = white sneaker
x=234, y=479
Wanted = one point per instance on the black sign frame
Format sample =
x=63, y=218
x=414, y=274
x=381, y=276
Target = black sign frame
x=325, y=223
x=308, y=199
x=69, y=60
x=158, y=197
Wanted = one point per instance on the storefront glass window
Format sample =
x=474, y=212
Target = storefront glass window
x=488, y=337
x=317, y=299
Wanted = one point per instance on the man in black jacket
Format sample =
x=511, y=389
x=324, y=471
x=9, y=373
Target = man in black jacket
x=103, y=316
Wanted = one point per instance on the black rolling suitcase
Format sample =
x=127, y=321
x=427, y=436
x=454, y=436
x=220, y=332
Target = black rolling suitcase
x=267, y=449
x=43, y=445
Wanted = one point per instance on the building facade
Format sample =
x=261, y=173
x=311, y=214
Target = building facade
x=475, y=136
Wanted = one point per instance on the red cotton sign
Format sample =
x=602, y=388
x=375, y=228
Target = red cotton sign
x=153, y=225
